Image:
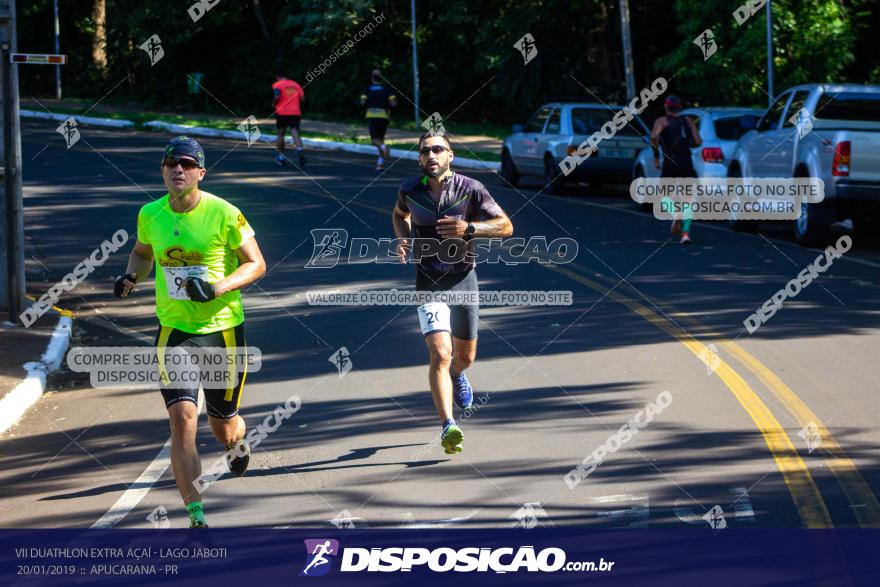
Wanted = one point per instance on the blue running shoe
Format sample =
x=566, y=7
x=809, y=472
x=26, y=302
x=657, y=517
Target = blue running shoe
x=462, y=392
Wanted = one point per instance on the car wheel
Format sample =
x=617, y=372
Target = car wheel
x=741, y=225
x=508, y=170
x=807, y=231
x=553, y=178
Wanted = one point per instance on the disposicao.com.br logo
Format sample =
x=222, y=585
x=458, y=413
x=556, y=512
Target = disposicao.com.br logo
x=441, y=560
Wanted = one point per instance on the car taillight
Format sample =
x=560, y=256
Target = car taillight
x=713, y=155
x=840, y=165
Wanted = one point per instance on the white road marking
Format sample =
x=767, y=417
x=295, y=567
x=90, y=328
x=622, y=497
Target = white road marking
x=139, y=489
x=742, y=508
x=438, y=524
x=742, y=505
x=684, y=511
x=636, y=508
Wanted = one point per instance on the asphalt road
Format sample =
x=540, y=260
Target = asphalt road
x=553, y=383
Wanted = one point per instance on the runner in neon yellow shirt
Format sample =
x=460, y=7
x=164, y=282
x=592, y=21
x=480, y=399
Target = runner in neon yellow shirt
x=205, y=252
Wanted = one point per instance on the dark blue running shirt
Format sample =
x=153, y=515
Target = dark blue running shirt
x=461, y=195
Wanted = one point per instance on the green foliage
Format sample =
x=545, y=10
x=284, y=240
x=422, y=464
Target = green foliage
x=812, y=43
x=469, y=68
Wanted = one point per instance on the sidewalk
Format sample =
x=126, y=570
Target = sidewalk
x=19, y=346
x=466, y=143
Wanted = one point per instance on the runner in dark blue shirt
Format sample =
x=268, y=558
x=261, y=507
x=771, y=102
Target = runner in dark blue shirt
x=379, y=100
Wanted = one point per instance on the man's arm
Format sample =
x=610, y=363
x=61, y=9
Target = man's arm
x=252, y=267
x=694, y=132
x=499, y=225
x=659, y=125
x=140, y=261
x=402, y=230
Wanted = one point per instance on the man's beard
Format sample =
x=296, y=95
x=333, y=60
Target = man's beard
x=440, y=170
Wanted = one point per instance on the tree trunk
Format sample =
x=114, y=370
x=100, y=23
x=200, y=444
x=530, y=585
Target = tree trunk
x=264, y=27
x=99, y=41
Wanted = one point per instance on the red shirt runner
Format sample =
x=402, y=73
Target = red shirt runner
x=287, y=94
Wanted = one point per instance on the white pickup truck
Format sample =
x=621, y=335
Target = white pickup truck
x=818, y=130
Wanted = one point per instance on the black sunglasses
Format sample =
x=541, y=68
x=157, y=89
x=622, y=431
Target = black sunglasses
x=187, y=164
x=436, y=149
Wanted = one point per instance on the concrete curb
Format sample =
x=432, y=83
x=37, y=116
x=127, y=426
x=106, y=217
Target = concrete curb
x=201, y=131
x=315, y=143
x=89, y=120
x=25, y=394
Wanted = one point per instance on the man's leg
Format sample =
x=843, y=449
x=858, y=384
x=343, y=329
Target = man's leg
x=279, y=141
x=294, y=132
x=463, y=354
x=228, y=432
x=185, y=462
x=464, y=322
x=440, y=354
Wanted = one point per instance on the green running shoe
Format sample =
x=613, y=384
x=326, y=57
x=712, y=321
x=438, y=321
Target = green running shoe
x=452, y=438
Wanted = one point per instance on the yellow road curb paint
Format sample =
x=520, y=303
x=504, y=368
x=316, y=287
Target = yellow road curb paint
x=62, y=311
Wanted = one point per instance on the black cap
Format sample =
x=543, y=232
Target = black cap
x=186, y=147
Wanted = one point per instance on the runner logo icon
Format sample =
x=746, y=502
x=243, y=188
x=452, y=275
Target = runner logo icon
x=328, y=245
x=317, y=552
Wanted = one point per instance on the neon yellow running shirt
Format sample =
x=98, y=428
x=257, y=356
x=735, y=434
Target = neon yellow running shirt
x=199, y=243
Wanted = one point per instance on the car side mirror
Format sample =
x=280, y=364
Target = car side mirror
x=748, y=122
x=517, y=128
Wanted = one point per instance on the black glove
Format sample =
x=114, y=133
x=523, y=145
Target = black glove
x=118, y=285
x=199, y=290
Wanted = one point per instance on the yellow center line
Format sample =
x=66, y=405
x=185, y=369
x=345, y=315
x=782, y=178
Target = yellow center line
x=866, y=507
x=801, y=485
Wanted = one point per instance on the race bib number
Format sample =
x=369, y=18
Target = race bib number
x=175, y=279
x=434, y=317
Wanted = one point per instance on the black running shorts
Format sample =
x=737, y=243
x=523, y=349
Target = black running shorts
x=223, y=401
x=465, y=319
x=378, y=127
x=286, y=121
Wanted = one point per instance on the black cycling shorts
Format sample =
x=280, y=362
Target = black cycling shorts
x=286, y=121
x=378, y=127
x=222, y=402
x=464, y=319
